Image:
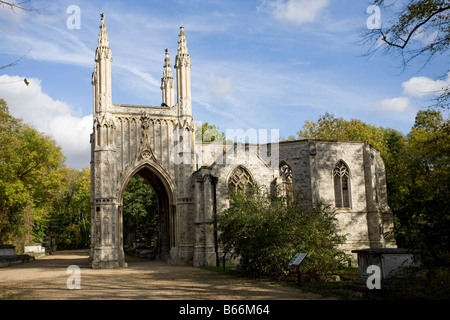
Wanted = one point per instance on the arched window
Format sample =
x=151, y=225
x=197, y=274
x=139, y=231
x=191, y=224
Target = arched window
x=285, y=172
x=341, y=179
x=286, y=177
x=239, y=179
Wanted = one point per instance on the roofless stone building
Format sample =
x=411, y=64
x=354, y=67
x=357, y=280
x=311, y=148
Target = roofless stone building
x=192, y=179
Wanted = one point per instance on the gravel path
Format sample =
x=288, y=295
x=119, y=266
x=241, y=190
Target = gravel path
x=46, y=278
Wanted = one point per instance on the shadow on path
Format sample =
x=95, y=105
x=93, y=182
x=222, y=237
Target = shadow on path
x=46, y=278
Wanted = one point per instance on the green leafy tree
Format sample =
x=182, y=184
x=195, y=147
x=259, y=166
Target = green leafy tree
x=140, y=211
x=29, y=164
x=208, y=133
x=423, y=186
x=265, y=231
x=70, y=218
x=330, y=127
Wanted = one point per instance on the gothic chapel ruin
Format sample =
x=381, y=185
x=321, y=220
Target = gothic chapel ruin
x=192, y=179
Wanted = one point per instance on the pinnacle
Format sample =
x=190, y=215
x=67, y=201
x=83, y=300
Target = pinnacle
x=103, y=35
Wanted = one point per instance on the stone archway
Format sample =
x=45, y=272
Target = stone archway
x=156, y=142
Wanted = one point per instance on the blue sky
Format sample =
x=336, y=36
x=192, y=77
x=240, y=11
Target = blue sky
x=262, y=64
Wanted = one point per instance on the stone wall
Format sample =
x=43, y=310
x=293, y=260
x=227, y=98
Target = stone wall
x=366, y=222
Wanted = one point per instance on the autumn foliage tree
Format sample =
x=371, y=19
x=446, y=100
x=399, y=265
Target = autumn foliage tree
x=411, y=30
x=29, y=165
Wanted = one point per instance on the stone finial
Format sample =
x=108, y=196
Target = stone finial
x=167, y=66
x=182, y=48
x=103, y=35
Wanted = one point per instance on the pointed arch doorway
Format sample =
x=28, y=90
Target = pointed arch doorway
x=163, y=188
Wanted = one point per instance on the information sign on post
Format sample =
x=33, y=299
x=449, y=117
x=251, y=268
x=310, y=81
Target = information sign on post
x=222, y=256
x=296, y=261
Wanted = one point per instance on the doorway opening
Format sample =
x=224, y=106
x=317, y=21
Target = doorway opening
x=140, y=219
x=146, y=217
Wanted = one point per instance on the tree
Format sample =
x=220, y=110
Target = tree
x=421, y=28
x=69, y=220
x=20, y=6
x=265, y=231
x=423, y=184
x=140, y=211
x=329, y=127
x=29, y=164
x=417, y=18
x=17, y=5
x=208, y=133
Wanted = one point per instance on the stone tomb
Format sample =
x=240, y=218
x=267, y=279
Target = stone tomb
x=389, y=260
x=9, y=257
x=35, y=250
x=7, y=251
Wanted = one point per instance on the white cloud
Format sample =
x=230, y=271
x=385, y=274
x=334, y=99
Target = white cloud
x=426, y=38
x=415, y=88
x=423, y=86
x=53, y=117
x=220, y=86
x=394, y=105
x=296, y=11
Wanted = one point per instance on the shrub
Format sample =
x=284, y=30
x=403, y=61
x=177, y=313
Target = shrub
x=266, y=231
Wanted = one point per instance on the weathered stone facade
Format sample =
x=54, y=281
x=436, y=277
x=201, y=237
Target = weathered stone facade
x=192, y=179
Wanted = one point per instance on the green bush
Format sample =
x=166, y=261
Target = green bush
x=266, y=231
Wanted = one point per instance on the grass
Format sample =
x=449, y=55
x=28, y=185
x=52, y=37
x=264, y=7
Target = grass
x=326, y=289
x=8, y=296
x=415, y=284
x=219, y=269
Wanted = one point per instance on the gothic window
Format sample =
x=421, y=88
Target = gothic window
x=286, y=177
x=285, y=172
x=341, y=179
x=239, y=180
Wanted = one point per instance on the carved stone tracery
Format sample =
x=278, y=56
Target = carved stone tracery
x=240, y=179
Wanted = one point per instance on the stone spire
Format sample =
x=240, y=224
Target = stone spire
x=167, y=83
x=101, y=78
x=167, y=66
x=103, y=35
x=182, y=48
x=183, y=66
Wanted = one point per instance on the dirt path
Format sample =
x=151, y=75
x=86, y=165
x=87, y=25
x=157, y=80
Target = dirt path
x=46, y=278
